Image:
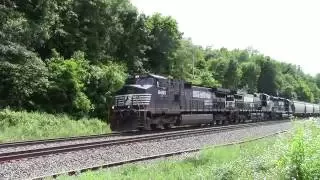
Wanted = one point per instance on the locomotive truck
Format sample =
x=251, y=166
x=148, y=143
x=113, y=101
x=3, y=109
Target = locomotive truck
x=149, y=102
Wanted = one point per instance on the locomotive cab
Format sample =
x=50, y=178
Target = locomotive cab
x=266, y=103
x=288, y=108
x=135, y=101
x=135, y=94
x=230, y=102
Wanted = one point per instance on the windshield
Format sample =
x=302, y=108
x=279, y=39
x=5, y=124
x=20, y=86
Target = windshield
x=230, y=98
x=130, y=90
x=145, y=81
x=131, y=81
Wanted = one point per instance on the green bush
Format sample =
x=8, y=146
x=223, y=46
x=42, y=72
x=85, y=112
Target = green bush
x=67, y=84
x=16, y=126
x=103, y=82
x=302, y=160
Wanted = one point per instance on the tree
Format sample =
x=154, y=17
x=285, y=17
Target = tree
x=304, y=93
x=250, y=75
x=164, y=41
x=102, y=29
x=182, y=59
x=232, y=75
x=218, y=68
x=99, y=28
x=103, y=82
x=288, y=86
x=317, y=79
x=207, y=80
x=243, y=56
x=67, y=85
x=23, y=76
x=289, y=93
x=314, y=90
x=267, y=79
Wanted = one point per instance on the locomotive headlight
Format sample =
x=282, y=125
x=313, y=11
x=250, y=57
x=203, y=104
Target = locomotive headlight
x=112, y=107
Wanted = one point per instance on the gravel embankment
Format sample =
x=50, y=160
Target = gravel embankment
x=41, y=166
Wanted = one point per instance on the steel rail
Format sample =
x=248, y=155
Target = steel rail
x=119, y=163
x=89, y=145
x=74, y=138
x=56, y=140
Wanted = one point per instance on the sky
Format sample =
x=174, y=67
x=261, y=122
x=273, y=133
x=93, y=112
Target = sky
x=286, y=30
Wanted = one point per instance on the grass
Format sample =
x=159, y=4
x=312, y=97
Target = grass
x=293, y=155
x=18, y=126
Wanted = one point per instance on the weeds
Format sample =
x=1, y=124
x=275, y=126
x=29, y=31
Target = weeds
x=302, y=160
x=16, y=126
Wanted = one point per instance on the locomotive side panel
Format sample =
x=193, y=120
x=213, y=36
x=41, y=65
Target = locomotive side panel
x=219, y=99
x=201, y=100
x=245, y=102
x=168, y=97
x=168, y=103
x=198, y=106
x=162, y=98
x=186, y=98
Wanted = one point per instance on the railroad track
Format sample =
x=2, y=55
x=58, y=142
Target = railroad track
x=16, y=155
x=119, y=163
x=57, y=140
x=75, y=138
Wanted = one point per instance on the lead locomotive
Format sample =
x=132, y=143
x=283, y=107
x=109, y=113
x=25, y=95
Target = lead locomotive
x=150, y=101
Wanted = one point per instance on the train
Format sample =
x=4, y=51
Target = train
x=151, y=102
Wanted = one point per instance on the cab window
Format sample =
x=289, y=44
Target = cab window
x=130, y=90
x=145, y=81
x=230, y=98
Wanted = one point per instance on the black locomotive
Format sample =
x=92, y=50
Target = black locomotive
x=151, y=101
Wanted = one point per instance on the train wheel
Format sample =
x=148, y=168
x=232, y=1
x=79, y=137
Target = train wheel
x=225, y=122
x=167, y=126
x=218, y=123
x=153, y=127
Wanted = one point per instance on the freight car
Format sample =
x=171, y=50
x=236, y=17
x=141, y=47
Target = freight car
x=304, y=109
x=151, y=102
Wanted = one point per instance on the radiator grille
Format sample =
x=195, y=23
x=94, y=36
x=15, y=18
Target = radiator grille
x=132, y=99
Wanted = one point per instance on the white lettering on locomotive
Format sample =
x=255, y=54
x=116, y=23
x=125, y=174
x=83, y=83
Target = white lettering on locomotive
x=208, y=102
x=162, y=92
x=201, y=94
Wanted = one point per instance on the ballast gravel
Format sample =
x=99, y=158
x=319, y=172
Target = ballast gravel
x=48, y=165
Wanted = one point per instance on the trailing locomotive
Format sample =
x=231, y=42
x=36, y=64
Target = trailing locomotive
x=151, y=101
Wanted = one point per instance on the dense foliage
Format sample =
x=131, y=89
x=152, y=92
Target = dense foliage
x=70, y=56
